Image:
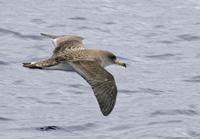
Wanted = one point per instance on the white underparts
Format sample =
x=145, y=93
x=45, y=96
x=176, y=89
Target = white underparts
x=60, y=66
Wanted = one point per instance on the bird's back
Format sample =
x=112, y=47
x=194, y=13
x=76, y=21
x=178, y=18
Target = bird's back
x=83, y=54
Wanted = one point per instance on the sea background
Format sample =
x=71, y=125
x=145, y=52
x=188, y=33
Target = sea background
x=158, y=93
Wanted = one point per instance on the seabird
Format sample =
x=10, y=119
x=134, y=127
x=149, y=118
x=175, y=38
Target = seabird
x=71, y=55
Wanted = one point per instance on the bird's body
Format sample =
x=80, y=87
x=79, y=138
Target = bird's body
x=71, y=55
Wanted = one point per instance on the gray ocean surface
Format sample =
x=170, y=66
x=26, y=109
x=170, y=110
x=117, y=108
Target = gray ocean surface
x=158, y=93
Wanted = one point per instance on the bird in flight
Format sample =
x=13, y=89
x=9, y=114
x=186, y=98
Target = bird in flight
x=71, y=55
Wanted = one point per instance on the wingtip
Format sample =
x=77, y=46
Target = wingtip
x=107, y=112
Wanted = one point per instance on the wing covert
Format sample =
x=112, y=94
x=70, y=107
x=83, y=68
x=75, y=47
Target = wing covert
x=65, y=42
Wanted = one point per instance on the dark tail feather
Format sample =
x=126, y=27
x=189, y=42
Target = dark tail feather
x=49, y=36
x=32, y=66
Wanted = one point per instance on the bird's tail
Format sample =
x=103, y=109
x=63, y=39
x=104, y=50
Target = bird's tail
x=31, y=66
x=41, y=64
x=49, y=35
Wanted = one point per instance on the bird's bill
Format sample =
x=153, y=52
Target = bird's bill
x=118, y=62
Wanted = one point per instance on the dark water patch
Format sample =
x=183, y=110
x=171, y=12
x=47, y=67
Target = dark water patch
x=48, y=102
x=120, y=127
x=5, y=119
x=48, y=128
x=76, y=85
x=193, y=106
x=152, y=34
x=3, y=63
x=166, y=42
x=169, y=137
x=194, y=79
x=159, y=26
x=73, y=128
x=94, y=28
x=78, y=92
x=109, y=23
x=161, y=56
x=18, y=82
x=187, y=112
x=150, y=91
x=55, y=26
x=84, y=28
x=188, y=37
x=39, y=47
x=83, y=127
x=77, y=18
x=38, y=21
x=165, y=122
x=193, y=133
x=17, y=34
x=198, y=55
x=78, y=88
x=37, y=100
x=142, y=90
x=128, y=92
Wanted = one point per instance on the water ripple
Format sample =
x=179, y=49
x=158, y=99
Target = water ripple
x=193, y=133
x=37, y=100
x=78, y=18
x=48, y=128
x=125, y=91
x=94, y=28
x=38, y=21
x=166, y=42
x=5, y=119
x=159, y=26
x=72, y=128
x=188, y=37
x=151, y=91
x=142, y=90
x=76, y=85
x=56, y=26
x=165, y=122
x=169, y=137
x=188, y=112
x=3, y=63
x=109, y=23
x=83, y=127
x=194, y=79
x=17, y=34
x=161, y=56
x=121, y=127
x=18, y=82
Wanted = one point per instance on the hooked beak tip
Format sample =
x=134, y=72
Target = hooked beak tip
x=124, y=65
x=120, y=63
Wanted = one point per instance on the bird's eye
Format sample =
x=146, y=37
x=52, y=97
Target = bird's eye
x=113, y=57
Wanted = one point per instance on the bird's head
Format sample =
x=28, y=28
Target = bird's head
x=115, y=60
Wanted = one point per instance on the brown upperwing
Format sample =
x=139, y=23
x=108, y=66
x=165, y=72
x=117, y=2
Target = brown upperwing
x=101, y=81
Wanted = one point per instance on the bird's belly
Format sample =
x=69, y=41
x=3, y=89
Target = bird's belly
x=60, y=66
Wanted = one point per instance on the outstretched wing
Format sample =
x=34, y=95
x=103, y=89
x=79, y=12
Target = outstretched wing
x=101, y=81
x=65, y=42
